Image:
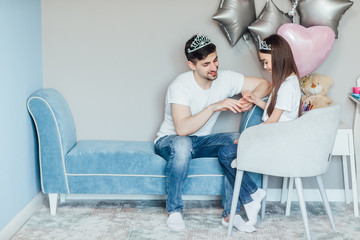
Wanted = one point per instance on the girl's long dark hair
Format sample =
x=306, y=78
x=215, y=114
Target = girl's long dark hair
x=283, y=64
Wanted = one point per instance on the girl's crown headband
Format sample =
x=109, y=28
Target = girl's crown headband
x=263, y=45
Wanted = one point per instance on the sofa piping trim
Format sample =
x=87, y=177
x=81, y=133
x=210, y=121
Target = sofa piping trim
x=206, y=175
x=119, y=175
x=61, y=147
x=41, y=178
x=247, y=121
x=137, y=175
x=252, y=111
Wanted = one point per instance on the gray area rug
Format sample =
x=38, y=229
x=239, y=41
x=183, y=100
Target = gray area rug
x=145, y=219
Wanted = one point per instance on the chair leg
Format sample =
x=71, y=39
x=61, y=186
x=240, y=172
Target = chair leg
x=284, y=188
x=235, y=199
x=288, y=202
x=263, y=203
x=325, y=200
x=299, y=190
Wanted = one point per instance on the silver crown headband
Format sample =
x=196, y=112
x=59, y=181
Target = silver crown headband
x=200, y=41
x=263, y=45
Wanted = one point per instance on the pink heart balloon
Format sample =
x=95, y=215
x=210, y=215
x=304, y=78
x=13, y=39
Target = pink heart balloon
x=310, y=46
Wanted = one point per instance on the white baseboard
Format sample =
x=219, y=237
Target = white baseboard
x=18, y=221
x=313, y=195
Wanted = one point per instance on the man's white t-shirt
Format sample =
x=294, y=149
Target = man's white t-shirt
x=288, y=99
x=185, y=91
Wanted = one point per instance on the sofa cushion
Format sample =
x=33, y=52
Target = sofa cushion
x=128, y=157
x=126, y=167
x=114, y=157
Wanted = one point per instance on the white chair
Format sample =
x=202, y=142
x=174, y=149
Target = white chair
x=298, y=148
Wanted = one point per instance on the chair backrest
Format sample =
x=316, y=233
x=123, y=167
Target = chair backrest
x=56, y=136
x=298, y=148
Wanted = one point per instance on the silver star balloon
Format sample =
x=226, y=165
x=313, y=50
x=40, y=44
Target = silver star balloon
x=322, y=12
x=234, y=16
x=268, y=22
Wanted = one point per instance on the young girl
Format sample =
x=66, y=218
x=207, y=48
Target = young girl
x=283, y=105
x=284, y=101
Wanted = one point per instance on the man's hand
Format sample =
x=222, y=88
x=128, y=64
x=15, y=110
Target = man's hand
x=245, y=105
x=228, y=104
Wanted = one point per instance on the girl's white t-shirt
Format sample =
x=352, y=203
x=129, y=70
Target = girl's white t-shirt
x=185, y=91
x=288, y=99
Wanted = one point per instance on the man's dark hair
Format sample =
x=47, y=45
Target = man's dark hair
x=199, y=54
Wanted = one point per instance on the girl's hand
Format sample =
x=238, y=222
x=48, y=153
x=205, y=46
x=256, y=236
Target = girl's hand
x=249, y=96
x=236, y=141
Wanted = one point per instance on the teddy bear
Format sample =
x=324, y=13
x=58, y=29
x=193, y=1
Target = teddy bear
x=315, y=87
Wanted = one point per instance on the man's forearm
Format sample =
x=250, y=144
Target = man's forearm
x=263, y=89
x=191, y=124
x=186, y=124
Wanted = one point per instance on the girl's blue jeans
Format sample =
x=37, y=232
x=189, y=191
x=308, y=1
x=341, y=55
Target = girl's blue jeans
x=179, y=150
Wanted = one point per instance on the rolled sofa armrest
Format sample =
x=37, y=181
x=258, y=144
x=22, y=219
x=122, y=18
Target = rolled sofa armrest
x=56, y=135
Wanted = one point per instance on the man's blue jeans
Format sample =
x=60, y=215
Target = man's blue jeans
x=226, y=155
x=178, y=151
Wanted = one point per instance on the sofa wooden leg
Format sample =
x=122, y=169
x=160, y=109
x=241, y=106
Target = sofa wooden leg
x=53, y=198
x=62, y=197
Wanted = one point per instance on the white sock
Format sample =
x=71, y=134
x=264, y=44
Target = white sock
x=259, y=195
x=175, y=221
x=240, y=224
x=252, y=209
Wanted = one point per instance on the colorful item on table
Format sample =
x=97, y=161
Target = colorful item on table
x=307, y=107
x=356, y=92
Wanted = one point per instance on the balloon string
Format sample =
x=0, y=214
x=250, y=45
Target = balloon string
x=256, y=58
x=292, y=12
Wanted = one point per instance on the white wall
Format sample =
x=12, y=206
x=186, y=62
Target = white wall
x=20, y=75
x=113, y=61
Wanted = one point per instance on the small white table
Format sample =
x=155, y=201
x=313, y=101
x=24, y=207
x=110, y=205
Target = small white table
x=356, y=128
x=344, y=146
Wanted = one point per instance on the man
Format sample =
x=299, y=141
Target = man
x=193, y=103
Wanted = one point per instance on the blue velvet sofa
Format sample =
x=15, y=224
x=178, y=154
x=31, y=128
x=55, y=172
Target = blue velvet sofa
x=68, y=166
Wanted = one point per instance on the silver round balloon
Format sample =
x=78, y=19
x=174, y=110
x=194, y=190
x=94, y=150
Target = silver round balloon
x=234, y=16
x=322, y=12
x=268, y=22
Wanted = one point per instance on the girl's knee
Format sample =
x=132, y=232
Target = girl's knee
x=234, y=136
x=227, y=153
